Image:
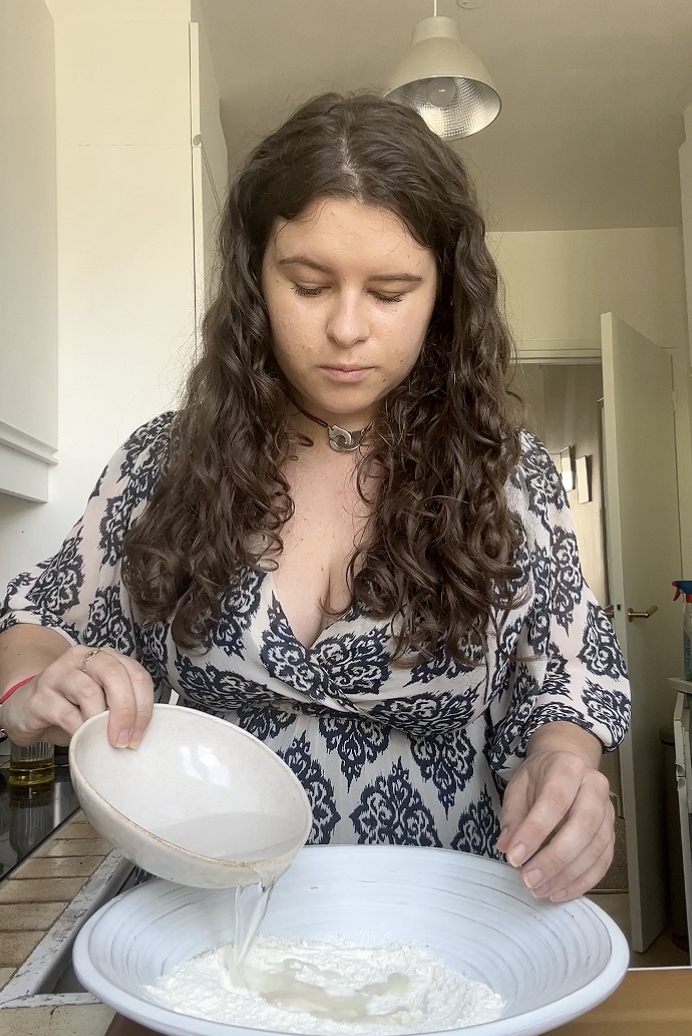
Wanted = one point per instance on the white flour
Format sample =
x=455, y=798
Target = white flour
x=392, y=989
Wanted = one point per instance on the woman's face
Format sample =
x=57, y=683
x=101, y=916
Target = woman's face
x=350, y=295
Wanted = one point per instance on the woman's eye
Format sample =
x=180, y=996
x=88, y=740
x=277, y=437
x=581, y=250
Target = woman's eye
x=307, y=292
x=312, y=293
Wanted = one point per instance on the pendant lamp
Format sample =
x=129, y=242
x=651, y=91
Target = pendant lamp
x=444, y=81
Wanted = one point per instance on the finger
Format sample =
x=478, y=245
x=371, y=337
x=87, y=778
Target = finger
x=82, y=691
x=557, y=793
x=108, y=670
x=50, y=712
x=515, y=806
x=601, y=847
x=56, y=736
x=30, y=715
x=143, y=687
x=585, y=882
x=583, y=838
x=75, y=687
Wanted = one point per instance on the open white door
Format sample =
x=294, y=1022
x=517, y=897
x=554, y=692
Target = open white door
x=643, y=532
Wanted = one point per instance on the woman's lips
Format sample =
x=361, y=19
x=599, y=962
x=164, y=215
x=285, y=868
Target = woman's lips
x=343, y=374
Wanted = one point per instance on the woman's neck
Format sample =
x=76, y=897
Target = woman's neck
x=335, y=433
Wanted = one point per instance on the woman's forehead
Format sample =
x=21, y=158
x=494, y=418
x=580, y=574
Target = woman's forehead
x=340, y=229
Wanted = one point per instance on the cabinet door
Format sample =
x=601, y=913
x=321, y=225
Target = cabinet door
x=209, y=168
x=28, y=282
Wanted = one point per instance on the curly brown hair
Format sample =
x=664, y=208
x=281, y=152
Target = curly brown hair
x=440, y=559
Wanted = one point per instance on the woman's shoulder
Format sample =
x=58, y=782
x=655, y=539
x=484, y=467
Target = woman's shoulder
x=137, y=463
x=146, y=449
x=535, y=456
x=535, y=484
x=151, y=438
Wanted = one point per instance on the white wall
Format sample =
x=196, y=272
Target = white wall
x=125, y=245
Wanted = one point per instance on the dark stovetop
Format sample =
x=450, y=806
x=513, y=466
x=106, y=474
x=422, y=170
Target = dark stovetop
x=29, y=815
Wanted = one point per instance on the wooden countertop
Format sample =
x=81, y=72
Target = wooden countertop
x=648, y=1003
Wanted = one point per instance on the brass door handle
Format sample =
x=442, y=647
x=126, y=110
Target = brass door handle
x=632, y=615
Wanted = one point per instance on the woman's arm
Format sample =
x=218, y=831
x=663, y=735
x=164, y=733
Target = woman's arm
x=75, y=602
x=60, y=696
x=566, y=699
x=26, y=650
x=566, y=737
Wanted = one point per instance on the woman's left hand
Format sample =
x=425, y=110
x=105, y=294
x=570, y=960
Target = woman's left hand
x=558, y=791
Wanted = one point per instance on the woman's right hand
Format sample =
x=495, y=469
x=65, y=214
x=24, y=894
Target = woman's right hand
x=54, y=704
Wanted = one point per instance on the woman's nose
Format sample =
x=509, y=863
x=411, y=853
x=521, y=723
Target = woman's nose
x=347, y=324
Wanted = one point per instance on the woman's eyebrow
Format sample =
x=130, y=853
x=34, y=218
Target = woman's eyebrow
x=303, y=260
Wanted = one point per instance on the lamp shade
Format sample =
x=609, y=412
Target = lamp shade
x=444, y=81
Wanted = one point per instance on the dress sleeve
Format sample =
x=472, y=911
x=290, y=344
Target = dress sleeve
x=79, y=591
x=559, y=657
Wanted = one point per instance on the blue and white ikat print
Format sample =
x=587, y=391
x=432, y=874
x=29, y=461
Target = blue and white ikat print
x=387, y=753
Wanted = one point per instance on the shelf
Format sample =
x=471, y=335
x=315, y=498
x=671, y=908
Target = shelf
x=24, y=464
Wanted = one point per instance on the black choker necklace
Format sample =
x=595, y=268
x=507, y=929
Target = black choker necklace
x=340, y=439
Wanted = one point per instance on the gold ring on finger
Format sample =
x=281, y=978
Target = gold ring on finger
x=89, y=654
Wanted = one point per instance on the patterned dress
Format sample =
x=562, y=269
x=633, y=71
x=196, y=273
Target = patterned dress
x=404, y=755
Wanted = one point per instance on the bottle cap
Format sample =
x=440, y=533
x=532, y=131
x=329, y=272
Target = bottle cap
x=683, y=586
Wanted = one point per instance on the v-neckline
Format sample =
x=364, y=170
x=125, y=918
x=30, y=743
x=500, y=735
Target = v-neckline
x=269, y=576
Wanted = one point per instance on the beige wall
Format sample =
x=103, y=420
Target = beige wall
x=559, y=283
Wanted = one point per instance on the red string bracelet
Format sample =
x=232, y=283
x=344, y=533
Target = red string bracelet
x=16, y=687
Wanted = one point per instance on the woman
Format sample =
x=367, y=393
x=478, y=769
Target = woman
x=343, y=542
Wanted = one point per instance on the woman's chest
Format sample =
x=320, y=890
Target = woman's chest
x=329, y=522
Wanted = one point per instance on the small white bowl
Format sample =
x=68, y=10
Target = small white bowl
x=549, y=962
x=201, y=802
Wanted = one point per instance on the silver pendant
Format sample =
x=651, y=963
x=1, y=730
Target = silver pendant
x=344, y=441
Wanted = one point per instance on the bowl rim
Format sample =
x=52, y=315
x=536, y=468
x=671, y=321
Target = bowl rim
x=188, y=853
x=540, y=1020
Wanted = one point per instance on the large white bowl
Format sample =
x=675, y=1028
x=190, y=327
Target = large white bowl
x=200, y=802
x=550, y=963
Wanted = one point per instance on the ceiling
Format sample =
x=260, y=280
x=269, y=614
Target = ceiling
x=593, y=93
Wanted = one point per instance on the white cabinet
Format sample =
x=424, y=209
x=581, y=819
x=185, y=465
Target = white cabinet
x=118, y=253
x=28, y=274
x=209, y=165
